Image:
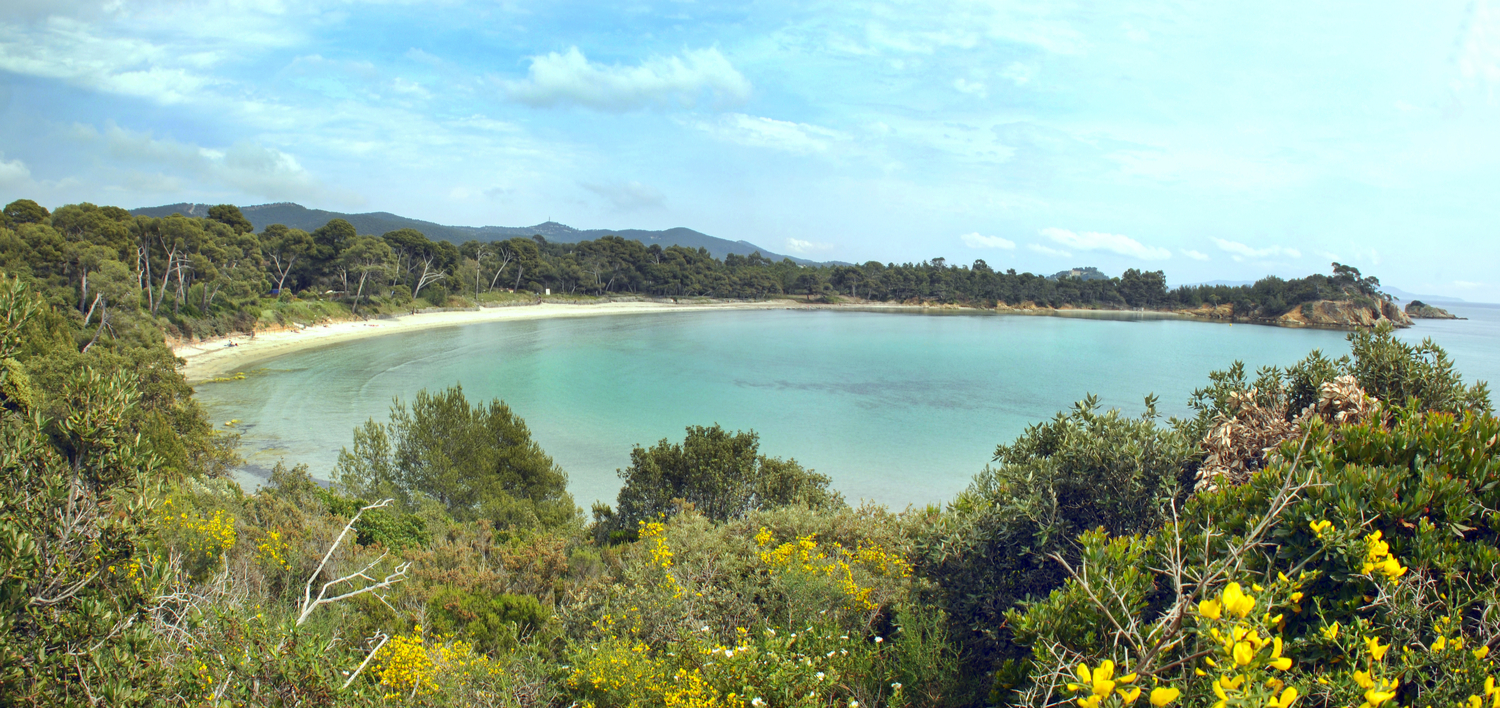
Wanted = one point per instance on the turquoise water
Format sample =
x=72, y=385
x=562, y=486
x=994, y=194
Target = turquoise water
x=897, y=408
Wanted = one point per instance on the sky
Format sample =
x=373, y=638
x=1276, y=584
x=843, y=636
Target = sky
x=1213, y=141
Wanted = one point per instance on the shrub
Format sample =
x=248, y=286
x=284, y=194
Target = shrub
x=489, y=622
x=1001, y=540
x=720, y=473
x=1373, y=535
x=478, y=461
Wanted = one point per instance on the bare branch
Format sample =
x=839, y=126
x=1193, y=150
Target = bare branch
x=383, y=639
x=309, y=603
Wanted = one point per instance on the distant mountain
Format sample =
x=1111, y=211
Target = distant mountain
x=378, y=222
x=1404, y=296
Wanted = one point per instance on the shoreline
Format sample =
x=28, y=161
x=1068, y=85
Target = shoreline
x=207, y=359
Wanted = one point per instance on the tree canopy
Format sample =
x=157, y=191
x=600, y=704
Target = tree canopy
x=478, y=462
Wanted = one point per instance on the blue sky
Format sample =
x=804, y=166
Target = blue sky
x=1212, y=141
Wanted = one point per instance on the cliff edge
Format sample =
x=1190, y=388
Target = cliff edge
x=1342, y=314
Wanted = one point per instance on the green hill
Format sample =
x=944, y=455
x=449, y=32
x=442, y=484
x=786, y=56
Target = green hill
x=378, y=222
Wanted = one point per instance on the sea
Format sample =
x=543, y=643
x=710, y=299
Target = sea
x=898, y=408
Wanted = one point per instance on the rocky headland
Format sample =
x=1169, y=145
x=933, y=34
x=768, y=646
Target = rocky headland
x=1342, y=314
x=1416, y=309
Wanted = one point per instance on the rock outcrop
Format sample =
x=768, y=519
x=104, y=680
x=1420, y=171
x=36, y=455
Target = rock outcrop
x=1342, y=314
x=1416, y=309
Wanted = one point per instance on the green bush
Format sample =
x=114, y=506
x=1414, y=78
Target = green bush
x=1002, y=538
x=1386, y=532
x=721, y=474
x=490, y=623
x=478, y=462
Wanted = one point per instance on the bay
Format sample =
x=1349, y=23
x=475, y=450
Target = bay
x=898, y=408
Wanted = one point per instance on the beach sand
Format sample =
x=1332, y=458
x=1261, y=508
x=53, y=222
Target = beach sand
x=210, y=358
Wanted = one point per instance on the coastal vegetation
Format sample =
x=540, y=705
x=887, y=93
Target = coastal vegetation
x=211, y=276
x=1324, y=534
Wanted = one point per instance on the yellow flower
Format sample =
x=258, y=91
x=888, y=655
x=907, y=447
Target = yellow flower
x=1103, y=685
x=1376, y=696
x=1331, y=632
x=1318, y=527
x=1162, y=695
x=1209, y=609
x=1131, y=695
x=1481, y=652
x=1288, y=697
x=1438, y=644
x=1236, y=601
x=1243, y=653
x=1372, y=645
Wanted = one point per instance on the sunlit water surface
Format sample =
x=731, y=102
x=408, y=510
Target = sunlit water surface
x=896, y=408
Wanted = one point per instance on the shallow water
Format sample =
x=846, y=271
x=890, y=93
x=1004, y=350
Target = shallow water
x=897, y=408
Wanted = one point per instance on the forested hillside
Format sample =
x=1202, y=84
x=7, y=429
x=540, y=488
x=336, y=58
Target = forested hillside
x=215, y=274
x=299, y=217
x=1325, y=534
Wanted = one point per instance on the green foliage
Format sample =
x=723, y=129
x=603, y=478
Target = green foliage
x=437, y=295
x=1422, y=490
x=1395, y=371
x=25, y=211
x=230, y=215
x=720, y=473
x=1387, y=368
x=488, y=622
x=777, y=606
x=479, y=462
x=1082, y=470
x=74, y=503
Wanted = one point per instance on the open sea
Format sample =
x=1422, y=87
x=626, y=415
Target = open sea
x=898, y=408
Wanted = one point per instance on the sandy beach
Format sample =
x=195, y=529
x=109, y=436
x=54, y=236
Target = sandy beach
x=214, y=357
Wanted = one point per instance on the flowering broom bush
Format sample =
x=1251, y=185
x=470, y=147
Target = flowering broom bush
x=1360, y=569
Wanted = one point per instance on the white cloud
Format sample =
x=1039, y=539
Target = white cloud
x=13, y=173
x=1195, y=255
x=420, y=56
x=248, y=167
x=1240, y=251
x=410, y=88
x=571, y=79
x=482, y=122
x=1467, y=284
x=628, y=196
x=977, y=240
x=1479, y=55
x=1039, y=248
x=1019, y=73
x=1098, y=241
x=973, y=88
x=796, y=245
x=759, y=131
x=69, y=50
